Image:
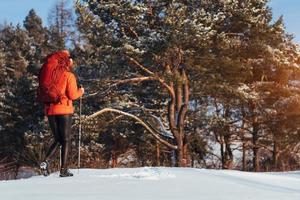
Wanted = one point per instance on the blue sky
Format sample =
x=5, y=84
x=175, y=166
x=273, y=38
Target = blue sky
x=15, y=11
x=290, y=9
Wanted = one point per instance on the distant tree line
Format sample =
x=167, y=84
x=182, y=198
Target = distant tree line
x=210, y=84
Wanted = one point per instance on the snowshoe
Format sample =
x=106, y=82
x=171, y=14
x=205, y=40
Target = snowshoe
x=65, y=173
x=44, y=166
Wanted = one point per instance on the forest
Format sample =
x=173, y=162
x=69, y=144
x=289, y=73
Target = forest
x=207, y=84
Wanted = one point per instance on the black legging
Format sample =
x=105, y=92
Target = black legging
x=61, y=128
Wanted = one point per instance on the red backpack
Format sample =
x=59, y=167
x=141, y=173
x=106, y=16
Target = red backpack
x=50, y=76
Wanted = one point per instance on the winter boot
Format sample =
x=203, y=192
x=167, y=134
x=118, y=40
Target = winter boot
x=44, y=166
x=64, y=172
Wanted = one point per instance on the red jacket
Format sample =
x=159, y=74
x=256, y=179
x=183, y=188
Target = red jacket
x=70, y=91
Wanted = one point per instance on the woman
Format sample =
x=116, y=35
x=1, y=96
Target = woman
x=60, y=114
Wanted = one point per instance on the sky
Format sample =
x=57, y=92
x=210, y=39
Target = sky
x=290, y=10
x=15, y=11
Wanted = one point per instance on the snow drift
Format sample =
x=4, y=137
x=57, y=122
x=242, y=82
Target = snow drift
x=155, y=184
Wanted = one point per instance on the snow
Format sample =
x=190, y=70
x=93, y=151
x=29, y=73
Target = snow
x=155, y=184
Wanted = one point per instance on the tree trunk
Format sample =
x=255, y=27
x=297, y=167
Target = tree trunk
x=186, y=155
x=177, y=109
x=157, y=154
x=255, y=137
x=244, y=156
x=114, y=160
x=180, y=160
x=255, y=147
x=222, y=153
x=244, y=124
x=181, y=117
x=227, y=142
x=275, y=156
x=228, y=153
x=182, y=156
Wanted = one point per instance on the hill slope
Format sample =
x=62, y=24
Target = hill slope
x=155, y=184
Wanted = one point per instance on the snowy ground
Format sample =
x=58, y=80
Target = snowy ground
x=155, y=184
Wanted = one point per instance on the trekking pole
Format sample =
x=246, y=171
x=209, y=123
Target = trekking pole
x=60, y=157
x=79, y=133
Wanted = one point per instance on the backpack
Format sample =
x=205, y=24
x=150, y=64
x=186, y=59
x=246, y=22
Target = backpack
x=49, y=78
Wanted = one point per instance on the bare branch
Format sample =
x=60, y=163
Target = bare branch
x=169, y=88
x=133, y=32
x=138, y=79
x=156, y=136
x=135, y=80
x=115, y=119
x=163, y=82
x=162, y=128
x=114, y=85
x=136, y=63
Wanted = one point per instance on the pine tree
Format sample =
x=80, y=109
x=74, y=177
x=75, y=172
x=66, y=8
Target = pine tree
x=38, y=41
x=60, y=25
x=18, y=90
x=151, y=37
